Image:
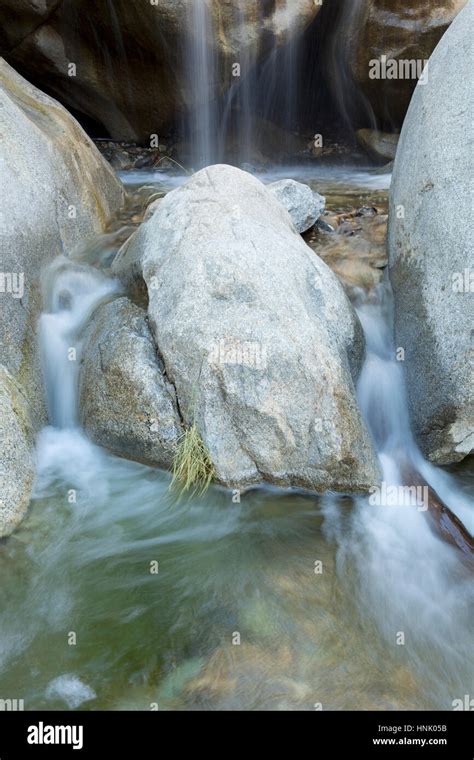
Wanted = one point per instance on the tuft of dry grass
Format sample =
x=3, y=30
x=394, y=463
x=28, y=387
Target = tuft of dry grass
x=193, y=469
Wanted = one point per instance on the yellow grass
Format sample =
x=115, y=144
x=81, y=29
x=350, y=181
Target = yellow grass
x=193, y=469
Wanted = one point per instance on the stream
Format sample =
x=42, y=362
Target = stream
x=118, y=595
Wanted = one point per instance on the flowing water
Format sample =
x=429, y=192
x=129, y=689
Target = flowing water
x=352, y=104
x=229, y=121
x=269, y=83
x=201, y=67
x=72, y=292
x=115, y=595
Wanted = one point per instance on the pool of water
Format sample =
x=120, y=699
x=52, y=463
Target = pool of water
x=117, y=594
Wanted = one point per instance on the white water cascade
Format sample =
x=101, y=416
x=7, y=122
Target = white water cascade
x=350, y=99
x=71, y=293
x=399, y=570
x=386, y=570
x=382, y=398
x=394, y=574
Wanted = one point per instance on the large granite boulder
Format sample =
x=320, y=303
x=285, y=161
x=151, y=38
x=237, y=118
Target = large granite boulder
x=56, y=192
x=256, y=336
x=430, y=248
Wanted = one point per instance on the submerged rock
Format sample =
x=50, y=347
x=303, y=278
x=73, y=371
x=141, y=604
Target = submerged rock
x=354, y=247
x=303, y=204
x=256, y=335
x=127, y=403
x=430, y=249
x=16, y=460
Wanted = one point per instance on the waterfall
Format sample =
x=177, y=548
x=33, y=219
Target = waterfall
x=224, y=126
x=71, y=293
x=381, y=388
x=99, y=518
x=201, y=71
x=238, y=103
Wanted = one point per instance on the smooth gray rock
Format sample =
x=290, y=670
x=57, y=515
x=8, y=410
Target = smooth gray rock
x=16, y=460
x=430, y=248
x=303, y=204
x=127, y=404
x=56, y=192
x=257, y=336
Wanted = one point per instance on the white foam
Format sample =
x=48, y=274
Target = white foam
x=70, y=689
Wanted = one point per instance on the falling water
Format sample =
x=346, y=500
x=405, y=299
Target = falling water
x=71, y=293
x=201, y=67
x=227, y=125
x=238, y=103
x=279, y=81
x=351, y=101
x=248, y=568
x=382, y=398
x=381, y=388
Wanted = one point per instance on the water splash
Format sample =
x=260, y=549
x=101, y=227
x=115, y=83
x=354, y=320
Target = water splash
x=383, y=401
x=225, y=567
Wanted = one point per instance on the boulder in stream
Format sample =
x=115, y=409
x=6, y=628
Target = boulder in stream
x=127, y=403
x=256, y=336
x=56, y=192
x=430, y=249
x=303, y=204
